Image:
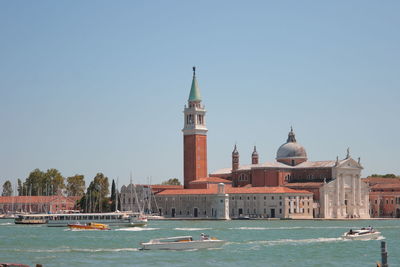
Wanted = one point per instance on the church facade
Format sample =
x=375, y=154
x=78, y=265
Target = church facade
x=291, y=187
x=337, y=187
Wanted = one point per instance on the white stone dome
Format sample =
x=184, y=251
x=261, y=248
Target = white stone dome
x=291, y=149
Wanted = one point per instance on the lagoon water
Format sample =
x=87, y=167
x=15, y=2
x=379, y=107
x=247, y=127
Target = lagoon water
x=252, y=243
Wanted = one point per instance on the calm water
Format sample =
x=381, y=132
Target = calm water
x=259, y=243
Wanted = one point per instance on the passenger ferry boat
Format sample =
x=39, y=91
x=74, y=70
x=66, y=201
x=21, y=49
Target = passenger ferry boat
x=31, y=219
x=113, y=218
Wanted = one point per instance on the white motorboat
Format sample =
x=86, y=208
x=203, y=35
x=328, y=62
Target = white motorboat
x=362, y=234
x=183, y=243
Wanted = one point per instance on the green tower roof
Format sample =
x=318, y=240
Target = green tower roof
x=195, y=90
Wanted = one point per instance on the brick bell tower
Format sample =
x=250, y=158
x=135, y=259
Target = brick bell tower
x=194, y=137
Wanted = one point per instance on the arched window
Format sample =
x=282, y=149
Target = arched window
x=243, y=177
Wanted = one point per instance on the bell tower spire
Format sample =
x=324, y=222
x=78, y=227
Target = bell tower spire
x=254, y=156
x=194, y=136
x=194, y=95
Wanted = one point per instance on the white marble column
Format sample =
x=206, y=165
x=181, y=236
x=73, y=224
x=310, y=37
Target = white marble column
x=359, y=190
x=297, y=205
x=353, y=194
x=337, y=197
x=326, y=204
x=291, y=205
x=342, y=196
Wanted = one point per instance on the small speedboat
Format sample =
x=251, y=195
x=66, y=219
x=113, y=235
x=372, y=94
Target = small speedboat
x=362, y=234
x=183, y=243
x=137, y=220
x=89, y=226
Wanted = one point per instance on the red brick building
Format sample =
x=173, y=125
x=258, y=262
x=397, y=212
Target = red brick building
x=384, y=196
x=194, y=137
x=37, y=204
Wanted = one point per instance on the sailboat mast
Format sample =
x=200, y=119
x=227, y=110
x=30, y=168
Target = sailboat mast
x=149, y=196
x=131, y=184
x=136, y=197
x=116, y=196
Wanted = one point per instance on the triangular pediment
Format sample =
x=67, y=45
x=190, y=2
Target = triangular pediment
x=349, y=163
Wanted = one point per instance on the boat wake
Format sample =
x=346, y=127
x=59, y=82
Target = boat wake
x=292, y=241
x=192, y=229
x=6, y=223
x=292, y=228
x=136, y=229
x=369, y=239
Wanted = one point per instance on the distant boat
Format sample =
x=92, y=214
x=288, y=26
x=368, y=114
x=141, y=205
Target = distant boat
x=362, y=234
x=242, y=217
x=155, y=217
x=31, y=219
x=89, y=226
x=182, y=243
x=111, y=218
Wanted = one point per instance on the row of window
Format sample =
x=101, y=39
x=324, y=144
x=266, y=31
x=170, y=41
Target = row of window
x=302, y=203
x=301, y=210
x=254, y=198
x=387, y=201
x=300, y=197
x=232, y=198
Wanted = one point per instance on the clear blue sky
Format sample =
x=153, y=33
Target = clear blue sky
x=99, y=86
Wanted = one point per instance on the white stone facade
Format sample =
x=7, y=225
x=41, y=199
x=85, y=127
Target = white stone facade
x=346, y=196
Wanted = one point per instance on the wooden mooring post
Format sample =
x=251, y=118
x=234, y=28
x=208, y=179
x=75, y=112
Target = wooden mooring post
x=384, y=255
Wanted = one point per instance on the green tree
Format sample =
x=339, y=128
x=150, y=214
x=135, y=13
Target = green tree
x=7, y=189
x=56, y=179
x=96, y=198
x=20, y=187
x=113, y=196
x=33, y=183
x=76, y=185
x=172, y=181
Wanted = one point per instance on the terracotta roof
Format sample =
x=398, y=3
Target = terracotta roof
x=208, y=191
x=386, y=193
x=162, y=186
x=235, y=190
x=381, y=180
x=264, y=190
x=395, y=186
x=211, y=180
x=305, y=185
x=36, y=199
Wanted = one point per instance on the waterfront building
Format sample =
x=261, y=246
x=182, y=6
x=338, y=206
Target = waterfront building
x=223, y=201
x=384, y=197
x=337, y=188
x=291, y=187
x=38, y=204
